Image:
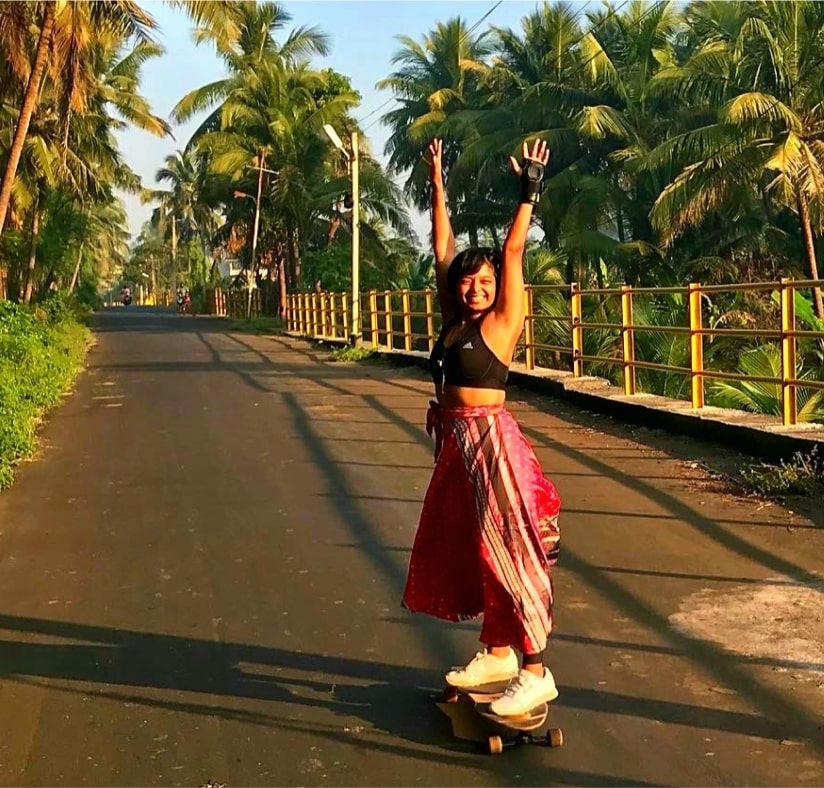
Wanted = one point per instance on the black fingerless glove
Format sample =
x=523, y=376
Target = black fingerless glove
x=532, y=180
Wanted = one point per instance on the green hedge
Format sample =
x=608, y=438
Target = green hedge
x=41, y=351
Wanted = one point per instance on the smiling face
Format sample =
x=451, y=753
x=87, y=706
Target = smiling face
x=476, y=291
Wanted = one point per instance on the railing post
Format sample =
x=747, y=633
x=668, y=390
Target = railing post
x=407, y=320
x=346, y=314
x=696, y=346
x=333, y=315
x=576, y=317
x=529, y=329
x=304, y=320
x=789, y=401
x=324, y=315
x=387, y=305
x=430, y=318
x=315, y=315
x=373, y=317
x=628, y=339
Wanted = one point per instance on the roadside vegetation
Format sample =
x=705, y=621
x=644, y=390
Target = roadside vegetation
x=349, y=354
x=41, y=351
x=802, y=475
x=257, y=325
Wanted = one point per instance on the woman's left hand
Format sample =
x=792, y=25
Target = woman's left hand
x=539, y=153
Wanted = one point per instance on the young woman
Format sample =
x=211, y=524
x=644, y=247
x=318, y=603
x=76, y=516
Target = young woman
x=488, y=532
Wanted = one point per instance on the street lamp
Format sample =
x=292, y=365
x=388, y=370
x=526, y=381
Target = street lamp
x=354, y=160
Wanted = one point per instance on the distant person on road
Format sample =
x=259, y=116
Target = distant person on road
x=488, y=532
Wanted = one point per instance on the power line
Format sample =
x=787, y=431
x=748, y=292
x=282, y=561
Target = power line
x=393, y=98
x=475, y=26
x=589, y=32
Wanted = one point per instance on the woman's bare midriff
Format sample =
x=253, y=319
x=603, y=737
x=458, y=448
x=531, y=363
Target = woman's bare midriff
x=464, y=396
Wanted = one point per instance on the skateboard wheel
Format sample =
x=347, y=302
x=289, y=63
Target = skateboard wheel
x=496, y=745
x=450, y=694
x=555, y=737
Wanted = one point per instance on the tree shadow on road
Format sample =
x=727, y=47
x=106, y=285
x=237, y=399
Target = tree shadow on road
x=375, y=706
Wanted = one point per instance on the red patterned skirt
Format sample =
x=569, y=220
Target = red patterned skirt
x=488, y=532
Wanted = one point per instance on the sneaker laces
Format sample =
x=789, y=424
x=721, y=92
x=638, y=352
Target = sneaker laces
x=476, y=660
x=514, y=686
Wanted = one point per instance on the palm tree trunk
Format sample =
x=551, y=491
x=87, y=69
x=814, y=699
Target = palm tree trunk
x=294, y=259
x=807, y=230
x=35, y=236
x=76, y=273
x=27, y=109
x=281, y=286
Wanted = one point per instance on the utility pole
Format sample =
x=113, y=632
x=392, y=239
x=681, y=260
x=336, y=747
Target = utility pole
x=255, y=229
x=355, y=162
x=256, y=226
x=174, y=256
x=154, y=278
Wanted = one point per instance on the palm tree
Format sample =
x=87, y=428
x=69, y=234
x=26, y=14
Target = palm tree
x=188, y=213
x=66, y=32
x=436, y=78
x=765, y=362
x=277, y=111
x=11, y=22
x=244, y=36
x=763, y=141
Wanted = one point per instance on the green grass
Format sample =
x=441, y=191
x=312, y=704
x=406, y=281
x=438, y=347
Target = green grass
x=41, y=352
x=349, y=354
x=803, y=475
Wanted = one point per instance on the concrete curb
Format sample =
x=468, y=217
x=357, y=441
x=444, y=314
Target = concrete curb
x=751, y=433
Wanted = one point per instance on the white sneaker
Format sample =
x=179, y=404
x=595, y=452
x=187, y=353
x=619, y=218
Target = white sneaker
x=484, y=668
x=524, y=693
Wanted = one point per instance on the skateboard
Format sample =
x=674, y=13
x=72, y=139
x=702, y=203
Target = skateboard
x=468, y=711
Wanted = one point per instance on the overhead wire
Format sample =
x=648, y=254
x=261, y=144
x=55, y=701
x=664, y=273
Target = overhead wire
x=600, y=22
x=394, y=98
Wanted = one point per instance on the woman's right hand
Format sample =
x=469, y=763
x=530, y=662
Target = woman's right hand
x=436, y=161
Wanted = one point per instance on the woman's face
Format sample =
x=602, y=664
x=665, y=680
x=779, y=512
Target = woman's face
x=476, y=291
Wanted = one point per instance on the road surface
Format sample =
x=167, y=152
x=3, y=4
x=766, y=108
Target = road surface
x=201, y=570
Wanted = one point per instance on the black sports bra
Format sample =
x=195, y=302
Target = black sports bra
x=468, y=362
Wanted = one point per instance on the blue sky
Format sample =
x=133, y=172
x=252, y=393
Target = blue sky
x=363, y=41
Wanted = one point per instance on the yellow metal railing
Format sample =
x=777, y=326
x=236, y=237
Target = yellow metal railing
x=408, y=320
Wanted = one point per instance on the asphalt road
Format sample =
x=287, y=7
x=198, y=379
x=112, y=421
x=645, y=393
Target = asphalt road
x=201, y=571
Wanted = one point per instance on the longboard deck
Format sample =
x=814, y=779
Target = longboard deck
x=472, y=721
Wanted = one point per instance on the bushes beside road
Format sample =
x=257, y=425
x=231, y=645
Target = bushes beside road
x=41, y=351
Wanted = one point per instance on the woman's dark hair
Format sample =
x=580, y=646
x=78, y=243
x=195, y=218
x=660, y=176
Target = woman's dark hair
x=469, y=261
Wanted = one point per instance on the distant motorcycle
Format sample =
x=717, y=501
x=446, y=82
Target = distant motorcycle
x=184, y=302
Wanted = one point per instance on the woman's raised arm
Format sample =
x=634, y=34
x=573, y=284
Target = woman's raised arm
x=508, y=313
x=443, y=240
